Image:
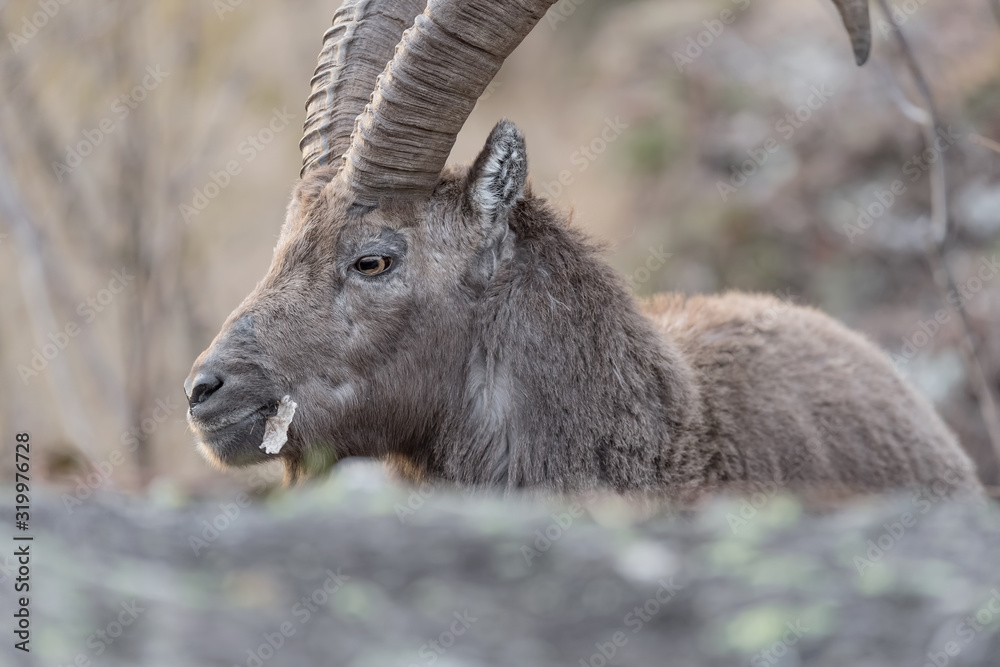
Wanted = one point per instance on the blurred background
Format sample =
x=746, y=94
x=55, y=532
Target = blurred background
x=148, y=150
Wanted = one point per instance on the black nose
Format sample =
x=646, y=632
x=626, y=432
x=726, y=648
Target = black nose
x=204, y=385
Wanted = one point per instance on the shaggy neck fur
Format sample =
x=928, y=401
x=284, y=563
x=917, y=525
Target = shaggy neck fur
x=568, y=386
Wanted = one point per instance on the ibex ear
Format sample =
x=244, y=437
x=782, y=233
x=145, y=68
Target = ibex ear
x=497, y=178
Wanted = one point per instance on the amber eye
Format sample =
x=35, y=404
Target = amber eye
x=372, y=266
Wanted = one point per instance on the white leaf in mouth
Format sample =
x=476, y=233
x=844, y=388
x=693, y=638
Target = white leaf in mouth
x=276, y=429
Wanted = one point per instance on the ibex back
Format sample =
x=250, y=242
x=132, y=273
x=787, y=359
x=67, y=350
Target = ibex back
x=453, y=323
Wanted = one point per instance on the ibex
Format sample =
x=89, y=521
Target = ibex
x=451, y=322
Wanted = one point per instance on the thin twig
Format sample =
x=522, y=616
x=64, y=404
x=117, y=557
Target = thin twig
x=35, y=127
x=37, y=299
x=986, y=142
x=939, y=241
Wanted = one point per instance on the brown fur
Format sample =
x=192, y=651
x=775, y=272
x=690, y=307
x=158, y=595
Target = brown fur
x=501, y=351
x=789, y=394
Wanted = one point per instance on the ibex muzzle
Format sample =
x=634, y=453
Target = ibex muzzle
x=450, y=321
x=230, y=397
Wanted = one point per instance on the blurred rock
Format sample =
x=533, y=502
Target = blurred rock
x=337, y=575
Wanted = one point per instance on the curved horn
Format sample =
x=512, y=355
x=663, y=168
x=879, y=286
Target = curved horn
x=355, y=51
x=859, y=26
x=441, y=67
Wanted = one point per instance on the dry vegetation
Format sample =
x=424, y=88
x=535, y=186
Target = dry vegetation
x=102, y=262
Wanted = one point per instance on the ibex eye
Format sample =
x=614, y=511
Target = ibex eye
x=372, y=266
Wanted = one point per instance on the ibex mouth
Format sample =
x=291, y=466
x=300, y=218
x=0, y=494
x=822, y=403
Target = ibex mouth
x=235, y=441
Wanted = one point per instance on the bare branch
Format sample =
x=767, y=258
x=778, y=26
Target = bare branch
x=986, y=142
x=35, y=127
x=939, y=240
x=37, y=300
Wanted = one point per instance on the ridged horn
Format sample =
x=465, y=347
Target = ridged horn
x=443, y=63
x=355, y=51
x=441, y=67
x=857, y=20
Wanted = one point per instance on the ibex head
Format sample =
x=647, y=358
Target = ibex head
x=368, y=315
